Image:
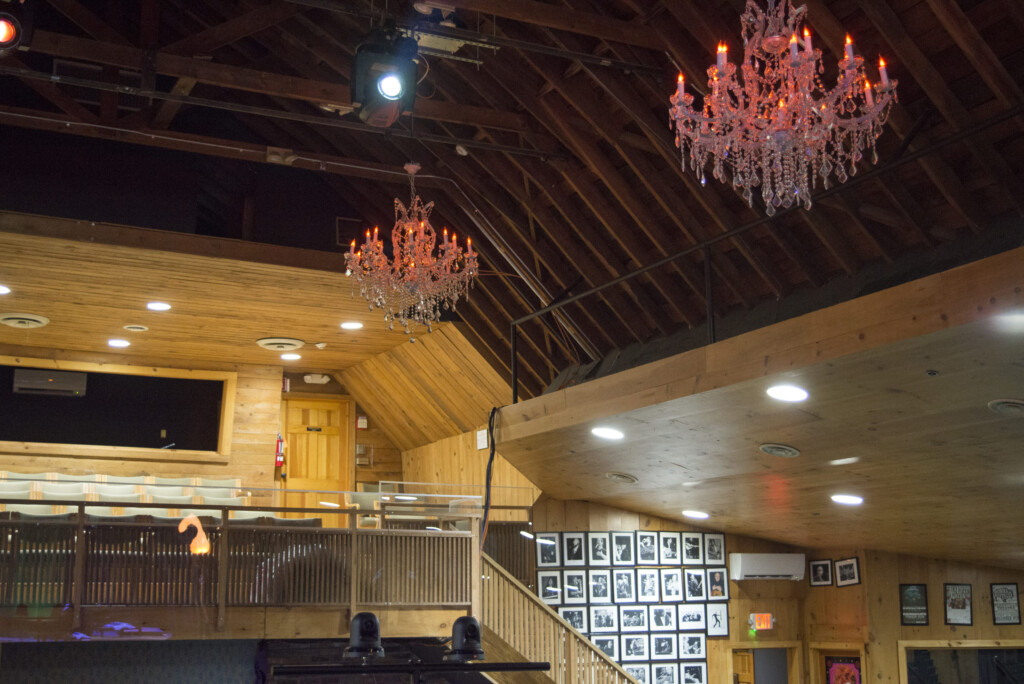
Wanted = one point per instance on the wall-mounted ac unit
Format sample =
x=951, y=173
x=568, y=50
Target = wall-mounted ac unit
x=760, y=566
x=53, y=383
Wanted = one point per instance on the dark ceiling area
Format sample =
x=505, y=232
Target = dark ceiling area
x=542, y=129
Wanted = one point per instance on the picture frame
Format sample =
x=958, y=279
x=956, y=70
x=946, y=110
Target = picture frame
x=714, y=548
x=914, y=604
x=574, y=549
x=693, y=646
x=820, y=574
x=671, y=585
x=847, y=572
x=691, y=617
x=646, y=548
x=599, y=585
x=599, y=549
x=607, y=644
x=574, y=587
x=664, y=647
x=641, y=672
x=665, y=673
x=957, y=601
x=668, y=548
x=648, y=585
x=548, y=549
x=1005, y=604
x=842, y=669
x=549, y=586
x=576, y=616
x=624, y=585
x=633, y=618
x=717, y=619
x=693, y=673
x=693, y=548
x=663, y=618
x=634, y=647
x=718, y=584
x=695, y=585
x=604, y=619
x=623, y=548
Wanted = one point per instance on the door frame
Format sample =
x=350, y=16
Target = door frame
x=817, y=650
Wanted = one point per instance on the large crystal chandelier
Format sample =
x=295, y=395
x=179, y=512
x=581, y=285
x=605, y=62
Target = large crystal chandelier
x=781, y=129
x=417, y=285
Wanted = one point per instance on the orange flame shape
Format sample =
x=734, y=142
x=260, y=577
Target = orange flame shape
x=200, y=544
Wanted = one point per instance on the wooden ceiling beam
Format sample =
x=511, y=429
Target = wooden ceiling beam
x=89, y=22
x=52, y=93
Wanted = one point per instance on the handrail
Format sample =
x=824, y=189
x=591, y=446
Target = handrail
x=518, y=616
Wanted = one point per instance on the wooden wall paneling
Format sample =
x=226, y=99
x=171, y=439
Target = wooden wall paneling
x=385, y=458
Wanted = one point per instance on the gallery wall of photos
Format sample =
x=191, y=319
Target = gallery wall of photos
x=649, y=600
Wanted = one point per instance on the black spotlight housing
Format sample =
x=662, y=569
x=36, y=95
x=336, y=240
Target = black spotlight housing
x=364, y=637
x=384, y=55
x=466, y=641
x=15, y=25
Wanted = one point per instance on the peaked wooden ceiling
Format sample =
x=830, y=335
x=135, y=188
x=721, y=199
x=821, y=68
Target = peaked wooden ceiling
x=572, y=179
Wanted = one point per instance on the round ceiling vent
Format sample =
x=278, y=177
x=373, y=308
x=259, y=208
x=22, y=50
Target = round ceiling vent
x=622, y=478
x=1008, y=408
x=23, y=320
x=136, y=328
x=280, y=343
x=780, y=450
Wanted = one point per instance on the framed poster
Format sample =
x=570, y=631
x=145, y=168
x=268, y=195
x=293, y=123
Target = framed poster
x=639, y=672
x=714, y=549
x=842, y=670
x=663, y=618
x=574, y=586
x=692, y=647
x=604, y=619
x=671, y=585
x=634, y=647
x=669, y=548
x=847, y=572
x=1005, y=604
x=913, y=604
x=624, y=582
x=573, y=548
x=821, y=573
x=694, y=673
x=664, y=647
x=957, y=600
x=718, y=619
x=632, y=618
x=647, y=581
x=693, y=548
x=665, y=673
x=691, y=616
x=575, y=616
x=598, y=545
x=718, y=584
x=600, y=586
x=695, y=585
x=609, y=645
x=647, y=548
x=622, y=548
x=547, y=549
x=549, y=586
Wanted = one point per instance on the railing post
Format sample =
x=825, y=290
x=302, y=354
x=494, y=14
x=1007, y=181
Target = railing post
x=78, y=574
x=475, y=569
x=222, y=571
x=353, y=565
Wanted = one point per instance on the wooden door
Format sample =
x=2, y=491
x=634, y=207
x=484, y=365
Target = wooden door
x=743, y=666
x=320, y=434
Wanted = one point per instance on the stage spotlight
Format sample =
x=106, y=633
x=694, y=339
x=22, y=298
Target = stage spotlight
x=364, y=637
x=384, y=78
x=15, y=25
x=466, y=641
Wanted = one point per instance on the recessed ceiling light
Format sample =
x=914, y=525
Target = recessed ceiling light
x=780, y=450
x=119, y=343
x=607, y=433
x=787, y=393
x=697, y=515
x=848, y=499
x=135, y=328
x=4, y=290
x=1010, y=322
x=844, y=461
x=158, y=306
x=623, y=478
x=290, y=357
x=351, y=325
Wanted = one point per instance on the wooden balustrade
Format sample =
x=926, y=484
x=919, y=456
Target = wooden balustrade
x=518, y=617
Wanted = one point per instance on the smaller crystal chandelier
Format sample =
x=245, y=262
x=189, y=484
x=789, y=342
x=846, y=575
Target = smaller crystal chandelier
x=417, y=285
x=781, y=129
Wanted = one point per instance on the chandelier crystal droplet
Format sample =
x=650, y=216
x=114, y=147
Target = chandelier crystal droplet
x=417, y=285
x=780, y=129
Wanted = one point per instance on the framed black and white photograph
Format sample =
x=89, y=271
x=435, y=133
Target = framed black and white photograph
x=714, y=549
x=647, y=585
x=847, y=572
x=718, y=620
x=641, y=672
x=646, y=548
x=604, y=619
x=575, y=616
x=574, y=548
x=624, y=586
x=599, y=548
x=718, y=584
x=693, y=548
x=664, y=646
x=691, y=617
x=821, y=573
x=634, y=647
x=692, y=647
x=600, y=586
x=671, y=585
x=669, y=548
x=663, y=619
x=549, y=586
x=958, y=603
x=696, y=588
x=547, y=549
x=694, y=673
x=632, y=618
x=913, y=604
x=665, y=673
x=574, y=586
x=1005, y=604
x=607, y=644
x=622, y=549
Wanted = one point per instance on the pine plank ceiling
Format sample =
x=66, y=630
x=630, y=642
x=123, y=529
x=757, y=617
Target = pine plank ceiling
x=572, y=178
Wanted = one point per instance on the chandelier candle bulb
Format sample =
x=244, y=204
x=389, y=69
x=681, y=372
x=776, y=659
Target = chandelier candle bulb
x=849, y=48
x=792, y=46
x=723, y=55
x=882, y=72
x=869, y=94
x=807, y=40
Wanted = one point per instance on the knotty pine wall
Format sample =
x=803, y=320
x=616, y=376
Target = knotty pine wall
x=385, y=457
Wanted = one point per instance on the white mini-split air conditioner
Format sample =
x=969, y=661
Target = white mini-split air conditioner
x=53, y=383
x=761, y=566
